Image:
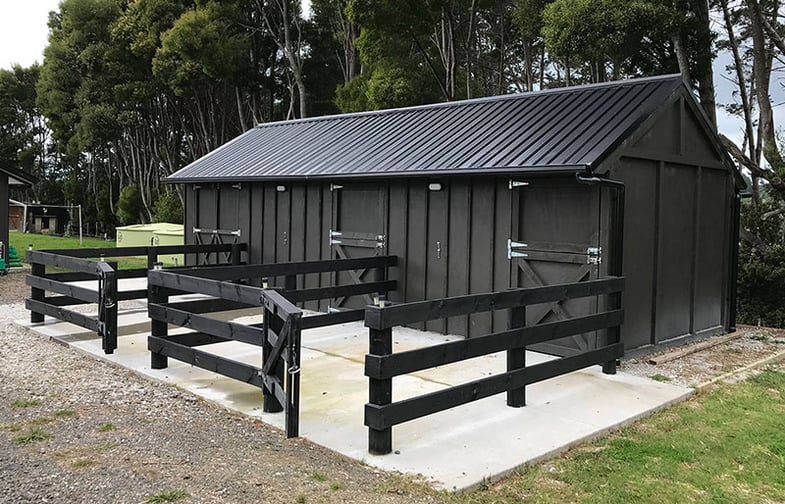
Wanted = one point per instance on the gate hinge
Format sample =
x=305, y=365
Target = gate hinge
x=593, y=255
x=331, y=237
x=381, y=241
x=517, y=183
x=512, y=247
x=334, y=187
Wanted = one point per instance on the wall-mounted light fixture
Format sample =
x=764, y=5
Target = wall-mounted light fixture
x=280, y=188
x=435, y=186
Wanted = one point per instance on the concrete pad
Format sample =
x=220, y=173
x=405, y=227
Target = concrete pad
x=453, y=449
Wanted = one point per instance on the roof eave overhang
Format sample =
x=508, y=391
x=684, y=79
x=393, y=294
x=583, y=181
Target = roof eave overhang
x=473, y=172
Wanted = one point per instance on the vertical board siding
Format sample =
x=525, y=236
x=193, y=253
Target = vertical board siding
x=640, y=179
x=436, y=249
x=313, y=233
x=711, y=239
x=298, y=227
x=675, y=251
x=503, y=231
x=189, y=211
x=270, y=224
x=458, y=252
x=482, y=242
x=398, y=220
x=417, y=237
x=255, y=233
x=324, y=239
x=283, y=208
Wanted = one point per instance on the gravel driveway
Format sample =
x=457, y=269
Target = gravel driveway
x=77, y=430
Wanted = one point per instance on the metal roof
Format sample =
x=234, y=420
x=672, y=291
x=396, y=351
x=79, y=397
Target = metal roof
x=557, y=129
x=18, y=177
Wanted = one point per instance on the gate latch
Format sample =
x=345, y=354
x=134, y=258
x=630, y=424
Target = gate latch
x=593, y=255
x=513, y=247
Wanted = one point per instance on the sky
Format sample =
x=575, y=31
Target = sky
x=23, y=30
x=23, y=36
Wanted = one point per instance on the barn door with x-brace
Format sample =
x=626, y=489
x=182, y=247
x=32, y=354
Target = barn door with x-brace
x=358, y=230
x=555, y=239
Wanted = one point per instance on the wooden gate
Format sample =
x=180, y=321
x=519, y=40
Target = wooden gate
x=214, y=237
x=358, y=230
x=562, y=249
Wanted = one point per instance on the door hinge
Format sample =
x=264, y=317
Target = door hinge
x=512, y=249
x=517, y=183
x=593, y=255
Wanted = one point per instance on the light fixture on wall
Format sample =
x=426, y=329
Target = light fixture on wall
x=435, y=186
x=280, y=188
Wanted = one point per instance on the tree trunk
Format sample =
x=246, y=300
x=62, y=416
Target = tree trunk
x=704, y=58
x=762, y=57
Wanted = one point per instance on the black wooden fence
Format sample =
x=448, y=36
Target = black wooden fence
x=279, y=333
x=381, y=364
x=77, y=265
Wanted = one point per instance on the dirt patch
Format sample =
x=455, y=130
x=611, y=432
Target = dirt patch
x=752, y=345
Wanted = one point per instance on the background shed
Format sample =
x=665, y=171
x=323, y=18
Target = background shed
x=10, y=177
x=481, y=195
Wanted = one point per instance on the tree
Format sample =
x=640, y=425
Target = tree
x=23, y=132
x=753, y=36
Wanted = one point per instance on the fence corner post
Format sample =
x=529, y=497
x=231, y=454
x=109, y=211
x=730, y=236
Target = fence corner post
x=38, y=270
x=614, y=334
x=516, y=358
x=158, y=328
x=380, y=392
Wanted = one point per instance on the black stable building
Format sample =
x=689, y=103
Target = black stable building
x=484, y=195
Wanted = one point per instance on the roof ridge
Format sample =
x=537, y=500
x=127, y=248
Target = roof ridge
x=485, y=99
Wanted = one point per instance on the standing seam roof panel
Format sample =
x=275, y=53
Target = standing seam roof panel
x=556, y=120
x=568, y=127
x=616, y=123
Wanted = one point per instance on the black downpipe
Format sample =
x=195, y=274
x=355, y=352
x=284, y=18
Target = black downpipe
x=616, y=245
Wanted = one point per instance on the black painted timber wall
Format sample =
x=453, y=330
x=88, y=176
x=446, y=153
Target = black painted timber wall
x=677, y=233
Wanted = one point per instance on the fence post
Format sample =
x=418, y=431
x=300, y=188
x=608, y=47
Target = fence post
x=39, y=270
x=614, y=333
x=110, y=302
x=152, y=257
x=271, y=403
x=235, y=254
x=516, y=358
x=158, y=328
x=293, y=380
x=380, y=391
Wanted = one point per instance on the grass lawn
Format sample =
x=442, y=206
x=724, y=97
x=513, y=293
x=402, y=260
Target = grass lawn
x=725, y=445
x=43, y=242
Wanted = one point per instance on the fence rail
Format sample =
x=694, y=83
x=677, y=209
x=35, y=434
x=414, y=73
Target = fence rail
x=279, y=333
x=382, y=365
x=83, y=266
